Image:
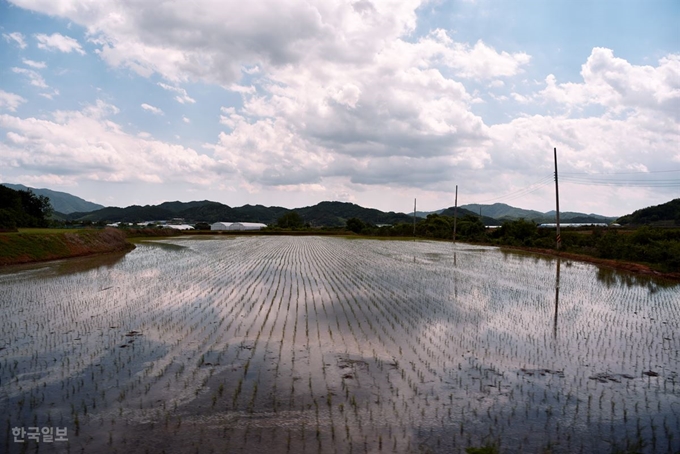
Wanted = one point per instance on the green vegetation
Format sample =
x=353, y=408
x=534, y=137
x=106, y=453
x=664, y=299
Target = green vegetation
x=62, y=202
x=487, y=449
x=23, y=209
x=24, y=247
x=657, y=247
x=290, y=220
x=667, y=214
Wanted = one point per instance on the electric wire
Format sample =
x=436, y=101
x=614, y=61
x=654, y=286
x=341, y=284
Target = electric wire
x=540, y=184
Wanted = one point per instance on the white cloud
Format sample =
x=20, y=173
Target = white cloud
x=34, y=64
x=182, y=96
x=51, y=95
x=152, y=109
x=33, y=76
x=10, y=101
x=59, y=42
x=186, y=120
x=617, y=85
x=45, y=180
x=17, y=37
x=343, y=85
x=483, y=62
x=346, y=97
x=521, y=98
x=87, y=145
x=201, y=42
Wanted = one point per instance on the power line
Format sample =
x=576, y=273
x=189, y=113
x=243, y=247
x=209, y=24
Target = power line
x=521, y=192
x=590, y=179
x=620, y=173
x=636, y=184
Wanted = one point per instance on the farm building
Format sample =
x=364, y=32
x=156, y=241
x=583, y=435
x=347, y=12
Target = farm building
x=237, y=226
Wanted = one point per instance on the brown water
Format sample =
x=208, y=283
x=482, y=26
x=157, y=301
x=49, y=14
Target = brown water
x=288, y=344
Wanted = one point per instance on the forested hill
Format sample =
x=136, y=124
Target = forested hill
x=462, y=212
x=667, y=214
x=337, y=214
x=321, y=214
x=504, y=212
x=62, y=202
x=23, y=209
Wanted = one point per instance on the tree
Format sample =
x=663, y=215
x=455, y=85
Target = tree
x=521, y=232
x=355, y=225
x=290, y=220
x=471, y=226
x=24, y=208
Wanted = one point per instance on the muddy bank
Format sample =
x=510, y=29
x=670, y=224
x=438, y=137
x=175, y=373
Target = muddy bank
x=630, y=267
x=20, y=248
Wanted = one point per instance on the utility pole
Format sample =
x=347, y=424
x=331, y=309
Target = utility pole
x=414, y=219
x=557, y=205
x=455, y=216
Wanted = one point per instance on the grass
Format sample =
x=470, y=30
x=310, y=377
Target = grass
x=41, y=231
x=33, y=245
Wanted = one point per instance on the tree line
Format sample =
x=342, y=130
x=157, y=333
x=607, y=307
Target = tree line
x=23, y=209
x=659, y=247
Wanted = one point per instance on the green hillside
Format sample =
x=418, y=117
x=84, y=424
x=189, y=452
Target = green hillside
x=336, y=214
x=62, y=202
x=462, y=212
x=667, y=214
x=23, y=208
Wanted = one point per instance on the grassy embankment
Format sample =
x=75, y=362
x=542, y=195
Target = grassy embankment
x=37, y=245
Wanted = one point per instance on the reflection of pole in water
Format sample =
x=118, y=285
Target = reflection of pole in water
x=455, y=277
x=557, y=295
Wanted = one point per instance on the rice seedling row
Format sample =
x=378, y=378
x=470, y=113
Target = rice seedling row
x=287, y=344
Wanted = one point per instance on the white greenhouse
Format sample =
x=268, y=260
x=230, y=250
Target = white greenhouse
x=237, y=226
x=179, y=226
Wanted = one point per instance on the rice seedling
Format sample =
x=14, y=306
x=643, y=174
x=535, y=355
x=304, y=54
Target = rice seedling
x=241, y=340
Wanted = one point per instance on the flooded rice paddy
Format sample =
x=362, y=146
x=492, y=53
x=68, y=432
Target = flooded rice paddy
x=289, y=344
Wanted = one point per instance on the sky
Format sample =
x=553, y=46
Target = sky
x=291, y=103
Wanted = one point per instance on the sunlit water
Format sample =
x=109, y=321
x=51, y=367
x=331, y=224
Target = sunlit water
x=285, y=344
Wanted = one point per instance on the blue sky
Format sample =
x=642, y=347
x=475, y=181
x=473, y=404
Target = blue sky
x=373, y=102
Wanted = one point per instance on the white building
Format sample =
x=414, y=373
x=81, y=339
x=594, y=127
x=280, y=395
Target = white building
x=237, y=226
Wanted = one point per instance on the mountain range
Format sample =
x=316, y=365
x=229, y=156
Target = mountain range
x=62, y=202
x=332, y=214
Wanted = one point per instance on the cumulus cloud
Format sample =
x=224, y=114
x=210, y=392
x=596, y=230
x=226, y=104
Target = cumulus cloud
x=57, y=41
x=619, y=85
x=152, y=109
x=201, y=42
x=88, y=145
x=484, y=62
x=15, y=37
x=346, y=93
x=10, y=101
x=269, y=153
x=341, y=85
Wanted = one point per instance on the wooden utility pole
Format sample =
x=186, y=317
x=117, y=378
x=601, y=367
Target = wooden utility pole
x=557, y=205
x=414, y=219
x=455, y=216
